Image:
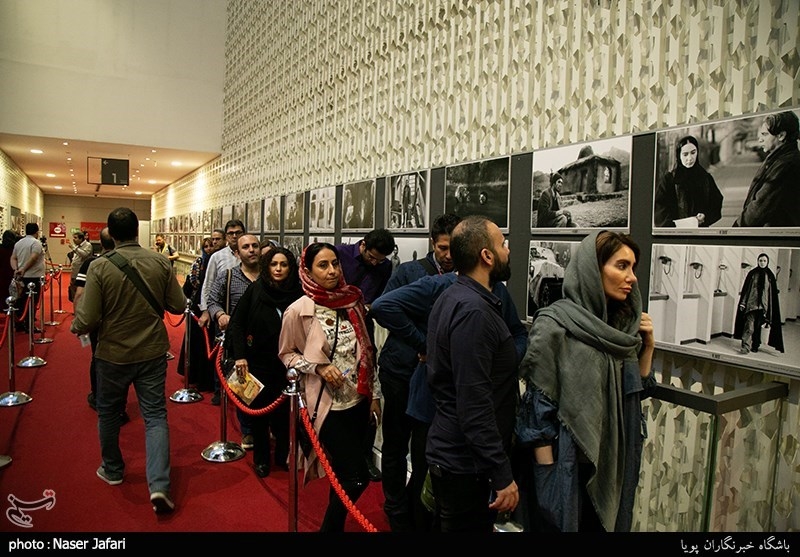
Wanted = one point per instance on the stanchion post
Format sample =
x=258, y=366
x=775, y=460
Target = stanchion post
x=60, y=274
x=187, y=394
x=42, y=339
x=223, y=450
x=52, y=321
x=31, y=360
x=294, y=415
x=12, y=397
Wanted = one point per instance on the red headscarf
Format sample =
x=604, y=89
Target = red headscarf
x=348, y=297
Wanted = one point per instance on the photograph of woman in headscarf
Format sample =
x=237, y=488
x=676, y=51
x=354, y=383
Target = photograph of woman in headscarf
x=759, y=307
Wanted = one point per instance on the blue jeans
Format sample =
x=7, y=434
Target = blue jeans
x=149, y=381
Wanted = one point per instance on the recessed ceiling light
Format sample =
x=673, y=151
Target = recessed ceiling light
x=177, y=163
x=50, y=175
x=57, y=187
x=37, y=151
x=153, y=151
x=69, y=158
x=65, y=143
x=138, y=193
x=151, y=181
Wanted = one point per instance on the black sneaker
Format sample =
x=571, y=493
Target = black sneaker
x=161, y=502
x=125, y=417
x=91, y=400
x=215, y=399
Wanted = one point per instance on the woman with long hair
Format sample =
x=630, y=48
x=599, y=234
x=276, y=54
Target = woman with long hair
x=587, y=367
x=253, y=333
x=325, y=338
x=688, y=190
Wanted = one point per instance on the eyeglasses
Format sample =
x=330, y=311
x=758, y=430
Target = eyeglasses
x=235, y=233
x=372, y=258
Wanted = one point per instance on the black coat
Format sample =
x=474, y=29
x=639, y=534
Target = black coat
x=756, y=279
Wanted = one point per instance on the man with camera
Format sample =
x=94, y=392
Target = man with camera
x=81, y=250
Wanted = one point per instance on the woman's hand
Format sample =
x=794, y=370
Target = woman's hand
x=241, y=369
x=646, y=331
x=331, y=374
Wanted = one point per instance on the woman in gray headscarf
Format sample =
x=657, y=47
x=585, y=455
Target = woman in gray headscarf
x=587, y=367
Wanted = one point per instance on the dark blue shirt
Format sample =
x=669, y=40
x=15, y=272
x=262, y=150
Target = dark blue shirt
x=472, y=372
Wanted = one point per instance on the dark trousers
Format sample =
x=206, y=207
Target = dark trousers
x=342, y=436
x=396, y=429
x=23, y=299
x=462, y=501
x=275, y=421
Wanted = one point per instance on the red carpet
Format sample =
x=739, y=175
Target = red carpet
x=55, y=450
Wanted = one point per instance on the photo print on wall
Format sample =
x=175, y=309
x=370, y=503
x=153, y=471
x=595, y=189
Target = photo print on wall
x=295, y=212
x=732, y=177
x=479, y=188
x=272, y=217
x=321, y=209
x=358, y=206
x=254, y=214
x=407, y=204
x=580, y=187
x=737, y=304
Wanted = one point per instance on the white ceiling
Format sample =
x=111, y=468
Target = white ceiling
x=146, y=163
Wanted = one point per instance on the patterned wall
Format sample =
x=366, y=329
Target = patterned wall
x=320, y=93
x=17, y=190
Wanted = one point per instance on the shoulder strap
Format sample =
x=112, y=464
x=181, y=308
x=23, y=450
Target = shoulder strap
x=135, y=278
x=428, y=266
x=228, y=293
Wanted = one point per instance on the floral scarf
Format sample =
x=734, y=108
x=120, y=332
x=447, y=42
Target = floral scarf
x=348, y=297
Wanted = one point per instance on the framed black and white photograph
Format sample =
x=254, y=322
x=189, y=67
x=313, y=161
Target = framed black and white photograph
x=2, y=217
x=227, y=214
x=240, y=212
x=272, y=214
x=15, y=222
x=254, y=213
x=358, y=206
x=408, y=249
x=207, y=221
x=577, y=188
x=479, y=188
x=546, y=264
x=714, y=178
x=321, y=209
x=408, y=198
x=328, y=239
x=737, y=304
x=216, y=219
x=295, y=244
x=295, y=212
x=273, y=237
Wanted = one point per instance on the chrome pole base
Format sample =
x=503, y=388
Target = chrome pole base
x=42, y=340
x=5, y=460
x=14, y=398
x=186, y=395
x=60, y=311
x=170, y=356
x=31, y=361
x=223, y=451
x=52, y=323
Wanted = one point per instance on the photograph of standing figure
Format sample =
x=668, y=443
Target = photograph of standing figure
x=687, y=196
x=759, y=307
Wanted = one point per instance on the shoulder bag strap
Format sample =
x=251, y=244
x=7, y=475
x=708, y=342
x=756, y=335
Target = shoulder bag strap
x=135, y=278
x=428, y=266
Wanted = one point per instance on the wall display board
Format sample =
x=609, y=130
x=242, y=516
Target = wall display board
x=16, y=221
x=216, y=219
x=326, y=239
x=227, y=214
x=255, y=210
x=408, y=200
x=594, y=186
x=322, y=209
x=206, y=220
x=479, y=188
x=358, y=206
x=408, y=249
x=295, y=244
x=294, y=211
x=697, y=293
x=546, y=264
x=712, y=178
x=272, y=214
x=239, y=212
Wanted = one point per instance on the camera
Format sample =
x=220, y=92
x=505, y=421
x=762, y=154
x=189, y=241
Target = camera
x=43, y=239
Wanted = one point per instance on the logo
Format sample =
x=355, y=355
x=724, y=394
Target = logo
x=16, y=512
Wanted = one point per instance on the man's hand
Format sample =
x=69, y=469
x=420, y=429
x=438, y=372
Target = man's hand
x=507, y=499
x=204, y=319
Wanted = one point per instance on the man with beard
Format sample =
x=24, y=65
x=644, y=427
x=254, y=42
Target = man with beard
x=472, y=372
